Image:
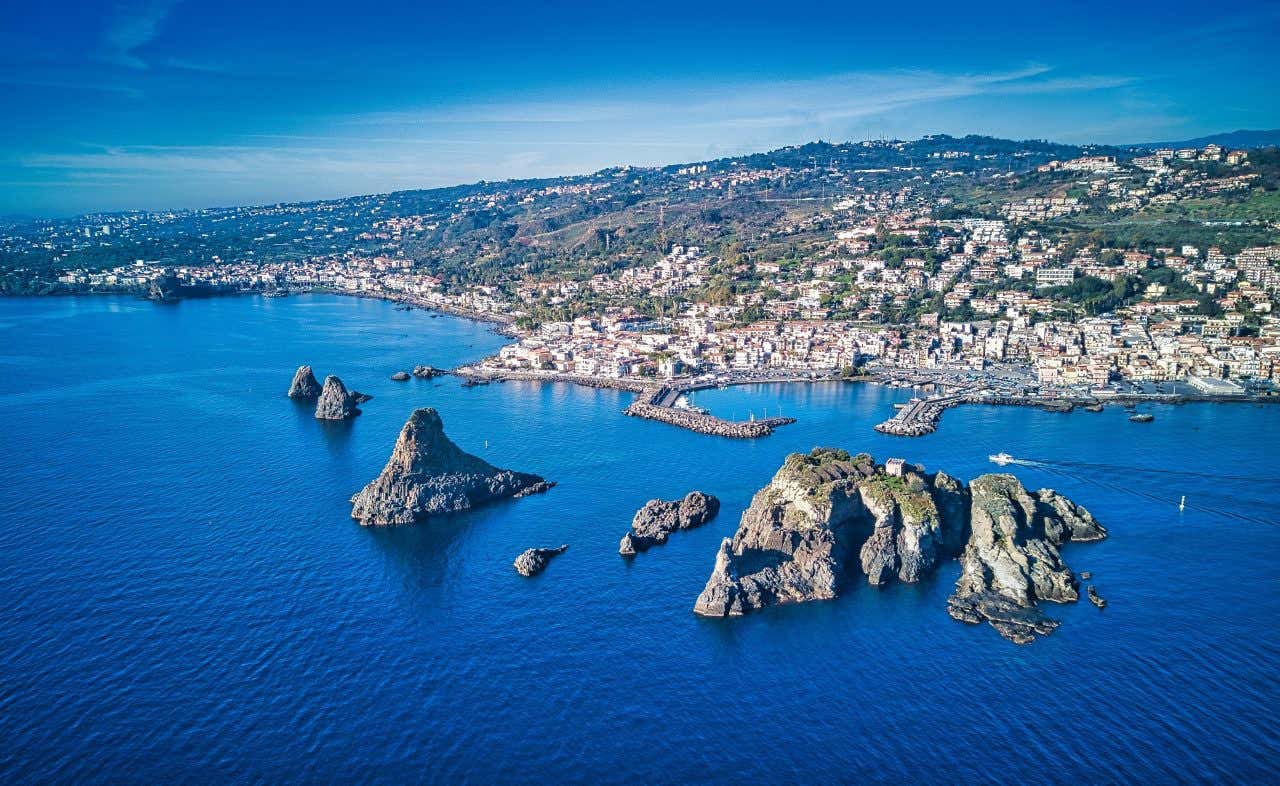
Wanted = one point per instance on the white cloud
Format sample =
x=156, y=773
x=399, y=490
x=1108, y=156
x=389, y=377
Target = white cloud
x=531, y=137
x=761, y=104
x=135, y=25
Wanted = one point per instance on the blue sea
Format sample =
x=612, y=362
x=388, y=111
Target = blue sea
x=186, y=599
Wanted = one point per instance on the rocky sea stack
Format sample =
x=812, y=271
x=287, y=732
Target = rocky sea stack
x=304, y=384
x=427, y=474
x=1011, y=559
x=828, y=519
x=533, y=561
x=659, y=518
x=335, y=402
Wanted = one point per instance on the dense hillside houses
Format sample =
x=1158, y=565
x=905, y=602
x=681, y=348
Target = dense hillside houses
x=934, y=254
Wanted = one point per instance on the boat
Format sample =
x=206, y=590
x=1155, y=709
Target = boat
x=1142, y=417
x=1001, y=458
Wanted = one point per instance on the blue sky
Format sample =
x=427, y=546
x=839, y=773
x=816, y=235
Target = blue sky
x=184, y=103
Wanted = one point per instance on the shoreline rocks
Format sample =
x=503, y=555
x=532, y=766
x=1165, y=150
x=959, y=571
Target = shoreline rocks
x=428, y=372
x=827, y=519
x=428, y=475
x=654, y=522
x=304, y=385
x=335, y=402
x=533, y=561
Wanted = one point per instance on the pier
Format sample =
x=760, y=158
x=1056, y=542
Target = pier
x=661, y=405
x=920, y=416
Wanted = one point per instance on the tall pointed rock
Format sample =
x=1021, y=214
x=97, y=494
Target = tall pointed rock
x=304, y=384
x=335, y=403
x=427, y=475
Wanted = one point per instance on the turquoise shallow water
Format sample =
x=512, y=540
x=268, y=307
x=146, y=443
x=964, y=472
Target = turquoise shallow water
x=185, y=597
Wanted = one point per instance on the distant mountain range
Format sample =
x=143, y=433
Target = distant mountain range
x=812, y=169
x=1243, y=138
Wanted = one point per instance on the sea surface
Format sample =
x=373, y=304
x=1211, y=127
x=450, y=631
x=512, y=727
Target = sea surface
x=184, y=597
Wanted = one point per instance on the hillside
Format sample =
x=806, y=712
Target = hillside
x=775, y=206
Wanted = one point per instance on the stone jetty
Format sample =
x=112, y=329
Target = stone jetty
x=920, y=416
x=660, y=405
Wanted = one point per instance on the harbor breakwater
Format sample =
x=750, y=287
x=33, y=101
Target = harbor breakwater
x=654, y=401
x=920, y=416
x=661, y=405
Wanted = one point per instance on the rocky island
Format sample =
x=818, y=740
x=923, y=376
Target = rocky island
x=335, y=402
x=1011, y=559
x=304, y=384
x=533, y=561
x=428, y=474
x=828, y=519
x=654, y=522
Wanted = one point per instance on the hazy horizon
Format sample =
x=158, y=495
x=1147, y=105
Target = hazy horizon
x=173, y=105
x=658, y=164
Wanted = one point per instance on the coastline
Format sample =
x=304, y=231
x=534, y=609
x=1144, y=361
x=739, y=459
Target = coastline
x=921, y=416
x=500, y=324
x=655, y=400
x=921, y=420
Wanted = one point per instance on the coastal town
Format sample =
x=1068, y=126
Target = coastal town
x=895, y=283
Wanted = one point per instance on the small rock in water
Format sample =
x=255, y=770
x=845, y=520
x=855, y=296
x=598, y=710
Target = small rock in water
x=659, y=518
x=335, y=402
x=304, y=384
x=400, y=376
x=1086, y=575
x=1095, y=599
x=359, y=397
x=534, y=561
